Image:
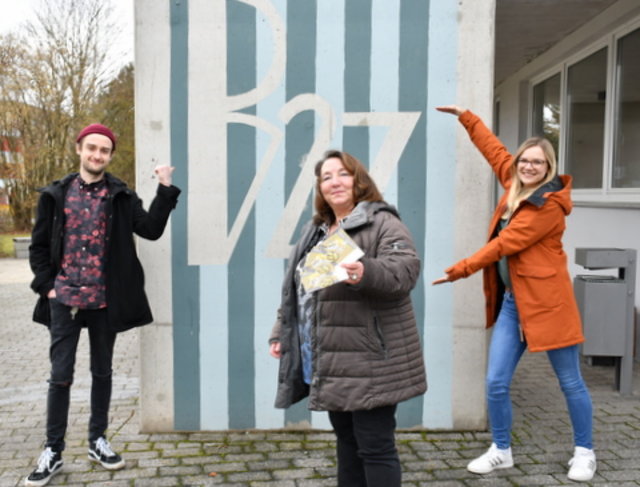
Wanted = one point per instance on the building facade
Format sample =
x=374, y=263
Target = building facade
x=243, y=97
x=582, y=92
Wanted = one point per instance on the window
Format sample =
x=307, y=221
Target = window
x=626, y=150
x=589, y=108
x=546, y=110
x=586, y=94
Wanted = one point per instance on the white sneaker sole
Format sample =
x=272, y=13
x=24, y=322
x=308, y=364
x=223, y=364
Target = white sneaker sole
x=109, y=466
x=581, y=478
x=480, y=471
x=40, y=483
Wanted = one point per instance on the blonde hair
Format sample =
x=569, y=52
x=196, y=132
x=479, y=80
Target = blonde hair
x=518, y=192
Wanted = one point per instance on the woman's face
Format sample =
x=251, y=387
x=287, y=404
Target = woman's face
x=532, y=166
x=336, y=186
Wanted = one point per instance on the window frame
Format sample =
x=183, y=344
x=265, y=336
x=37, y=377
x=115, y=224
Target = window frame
x=605, y=195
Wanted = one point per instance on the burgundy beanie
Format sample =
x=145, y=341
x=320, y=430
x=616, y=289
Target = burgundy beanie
x=96, y=128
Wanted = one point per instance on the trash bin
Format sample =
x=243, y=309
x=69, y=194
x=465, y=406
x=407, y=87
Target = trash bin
x=602, y=303
x=607, y=308
x=21, y=247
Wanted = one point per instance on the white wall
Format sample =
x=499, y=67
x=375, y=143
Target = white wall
x=602, y=227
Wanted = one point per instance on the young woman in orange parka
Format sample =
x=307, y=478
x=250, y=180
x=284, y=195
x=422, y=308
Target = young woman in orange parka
x=529, y=294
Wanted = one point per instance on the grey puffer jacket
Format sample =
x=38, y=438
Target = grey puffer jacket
x=366, y=347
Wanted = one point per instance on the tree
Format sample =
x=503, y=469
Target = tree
x=52, y=74
x=115, y=108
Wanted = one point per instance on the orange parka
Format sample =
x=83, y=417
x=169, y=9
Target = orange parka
x=532, y=243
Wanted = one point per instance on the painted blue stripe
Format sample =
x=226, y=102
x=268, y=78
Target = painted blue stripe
x=357, y=74
x=300, y=78
x=414, y=40
x=269, y=206
x=440, y=230
x=214, y=335
x=186, y=314
x=241, y=77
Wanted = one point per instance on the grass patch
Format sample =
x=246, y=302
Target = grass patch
x=6, y=243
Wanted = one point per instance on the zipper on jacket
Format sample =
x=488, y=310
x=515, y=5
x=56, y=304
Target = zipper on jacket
x=376, y=326
x=315, y=379
x=521, y=332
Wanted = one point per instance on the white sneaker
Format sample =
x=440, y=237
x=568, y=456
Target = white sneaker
x=494, y=458
x=583, y=465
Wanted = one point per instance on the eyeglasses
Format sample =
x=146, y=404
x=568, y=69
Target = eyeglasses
x=532, y=162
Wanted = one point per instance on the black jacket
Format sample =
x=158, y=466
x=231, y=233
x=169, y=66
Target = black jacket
x=127, y=304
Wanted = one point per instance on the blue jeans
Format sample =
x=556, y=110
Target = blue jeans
x=504, y=354
x=65, y=333
x=366, y=449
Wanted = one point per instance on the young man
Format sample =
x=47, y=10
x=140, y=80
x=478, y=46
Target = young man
x=87, y=274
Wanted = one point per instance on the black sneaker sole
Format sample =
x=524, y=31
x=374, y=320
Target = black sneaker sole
x=109, y=466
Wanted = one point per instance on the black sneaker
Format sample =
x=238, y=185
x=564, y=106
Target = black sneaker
x=49, y=464
x=100, y=451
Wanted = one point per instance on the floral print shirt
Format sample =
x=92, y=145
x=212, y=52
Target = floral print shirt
x=81, y=282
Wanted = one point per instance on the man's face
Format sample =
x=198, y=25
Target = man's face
x=95, y=151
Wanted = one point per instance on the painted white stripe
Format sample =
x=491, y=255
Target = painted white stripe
x=385, y=57
x=210, y=242
x=269, y=206
x=441, y=139
x=207, y=133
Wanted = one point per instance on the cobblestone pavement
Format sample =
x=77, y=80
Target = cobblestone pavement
x=542, y=434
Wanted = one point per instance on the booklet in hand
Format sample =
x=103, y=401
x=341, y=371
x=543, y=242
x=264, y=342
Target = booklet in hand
x=322, y=267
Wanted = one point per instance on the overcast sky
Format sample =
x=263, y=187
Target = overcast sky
x=13, y=12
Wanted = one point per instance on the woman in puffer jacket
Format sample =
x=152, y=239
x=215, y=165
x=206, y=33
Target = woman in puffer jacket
x=529, y=294
x=353, y=347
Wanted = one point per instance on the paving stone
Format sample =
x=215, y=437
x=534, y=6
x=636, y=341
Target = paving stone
x=542, y=438
x=157, y=482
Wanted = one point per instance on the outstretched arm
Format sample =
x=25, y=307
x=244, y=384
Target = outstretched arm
x=519, y=235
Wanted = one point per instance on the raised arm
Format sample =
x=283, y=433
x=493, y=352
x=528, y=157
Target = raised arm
x=151, y=224
x=485, y=140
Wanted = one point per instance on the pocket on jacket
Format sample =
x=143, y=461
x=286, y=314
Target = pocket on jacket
x=381, y=342
x=538, y=286
x=42, y=311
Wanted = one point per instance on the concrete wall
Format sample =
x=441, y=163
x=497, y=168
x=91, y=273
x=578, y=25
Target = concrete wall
x=153, y=146
x=473, y=205
x=243, y=97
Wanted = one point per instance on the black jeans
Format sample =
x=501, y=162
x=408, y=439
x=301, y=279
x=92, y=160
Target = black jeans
x=366, y=448
x=65, y=333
